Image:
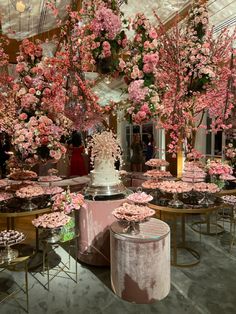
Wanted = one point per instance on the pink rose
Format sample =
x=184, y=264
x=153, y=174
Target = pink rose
x=23, y=116
x=32, y=90
x=152, y=34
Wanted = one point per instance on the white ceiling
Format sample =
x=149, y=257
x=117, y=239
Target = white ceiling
x=38, y=18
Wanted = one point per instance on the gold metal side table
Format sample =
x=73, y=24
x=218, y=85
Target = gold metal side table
x=181, y=213
x=63, y=267
x=16, y=265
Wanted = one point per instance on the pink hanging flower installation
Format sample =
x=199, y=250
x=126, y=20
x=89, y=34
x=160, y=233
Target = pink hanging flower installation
x=139, y=67
x=100, y=36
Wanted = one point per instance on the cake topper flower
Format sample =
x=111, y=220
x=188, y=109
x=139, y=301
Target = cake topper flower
x=104, y=146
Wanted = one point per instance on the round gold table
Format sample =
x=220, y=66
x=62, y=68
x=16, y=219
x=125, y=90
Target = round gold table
x=11, y=213
x=181, y=213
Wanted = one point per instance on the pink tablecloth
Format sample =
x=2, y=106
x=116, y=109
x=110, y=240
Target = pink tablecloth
x=140, y=263
x=94, y=224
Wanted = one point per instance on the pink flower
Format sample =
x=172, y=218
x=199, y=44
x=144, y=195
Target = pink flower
x=152, y=33
x=122, y=64
x=20, y=67
x=74, y=90
x=23, y=116
x=137, y=91
x=32, y=90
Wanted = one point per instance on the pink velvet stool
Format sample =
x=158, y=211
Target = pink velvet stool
x=94, y=225
x=140, y=263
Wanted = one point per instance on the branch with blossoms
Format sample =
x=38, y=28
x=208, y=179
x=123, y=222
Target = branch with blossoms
x=196, y=69
x=7, y=103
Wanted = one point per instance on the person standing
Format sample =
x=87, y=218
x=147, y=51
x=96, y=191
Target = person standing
x=77, y=164
x=4, y=156
x=137, y=153
x=150, y=147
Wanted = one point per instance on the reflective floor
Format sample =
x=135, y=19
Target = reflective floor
x=206, y=288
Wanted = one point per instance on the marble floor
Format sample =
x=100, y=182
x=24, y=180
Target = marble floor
x=206, y=288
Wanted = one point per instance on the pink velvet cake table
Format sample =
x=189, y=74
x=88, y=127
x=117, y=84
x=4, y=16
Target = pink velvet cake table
x=140, y=263
x=94, y=224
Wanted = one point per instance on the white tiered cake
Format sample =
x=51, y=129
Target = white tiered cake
x=104, y=173
x=105, y=150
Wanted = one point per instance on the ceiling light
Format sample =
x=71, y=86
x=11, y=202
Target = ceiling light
x=20, y=6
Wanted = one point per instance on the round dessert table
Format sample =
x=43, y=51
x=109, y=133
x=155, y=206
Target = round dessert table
x=94, y=224
x=75, y=183
x=181, y=213
x=11, y=213
x=140, y=263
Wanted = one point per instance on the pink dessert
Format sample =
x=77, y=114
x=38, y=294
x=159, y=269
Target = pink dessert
x=131, y=212
x=30, y=191
x=23, y=175
x=140, y=197
x=227, y=177
x=49, y=178
x=5, y=196
x=52, y=220
x=193, y=173
x=158, y=173
x=3, y=183
x=157, y=163
x=52, y=190
x=175, y=187
x=206, y=187
x=150, y=184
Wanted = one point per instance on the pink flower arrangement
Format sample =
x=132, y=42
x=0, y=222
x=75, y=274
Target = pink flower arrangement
x=38, y=139
x=139, y=68
x=42, y=83
x=67, y=202
x=217, y=167
x=101, y=36
x=230, y=153
x=105, y=20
